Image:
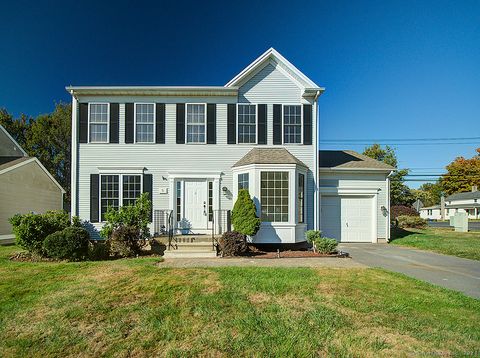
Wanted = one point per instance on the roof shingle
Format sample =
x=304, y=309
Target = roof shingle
x=349, y=159
x=268, y=156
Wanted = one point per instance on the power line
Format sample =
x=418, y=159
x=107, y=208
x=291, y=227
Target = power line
x=391, y=144
x=401, y=139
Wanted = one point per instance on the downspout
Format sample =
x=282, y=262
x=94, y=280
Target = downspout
x=388, y=206
x=74, y=158
x=316, y=174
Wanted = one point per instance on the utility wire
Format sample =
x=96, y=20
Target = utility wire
x=401, y=139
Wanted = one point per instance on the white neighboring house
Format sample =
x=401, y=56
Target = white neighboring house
x=468, y=202
x=193, y=148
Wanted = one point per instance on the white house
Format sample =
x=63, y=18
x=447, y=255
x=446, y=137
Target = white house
x=468, y=202
x=193, y=148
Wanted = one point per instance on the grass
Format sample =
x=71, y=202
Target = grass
x=134, y=308
x=441, y=240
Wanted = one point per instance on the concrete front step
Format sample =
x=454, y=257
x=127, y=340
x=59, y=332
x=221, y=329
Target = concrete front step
x=199, y=246
x=189, y=254
x=187, y=239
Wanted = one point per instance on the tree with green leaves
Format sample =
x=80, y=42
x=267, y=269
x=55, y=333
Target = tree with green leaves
x=400, y=194
x=244, y=214
x=461, y=175
x=429, y=193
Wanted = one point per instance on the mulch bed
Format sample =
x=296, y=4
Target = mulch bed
x=28, y=257
x=263, y=254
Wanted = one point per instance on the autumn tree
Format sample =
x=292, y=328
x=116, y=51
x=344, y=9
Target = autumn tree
x=428, y=193
x=400, y=194
x=461, y=175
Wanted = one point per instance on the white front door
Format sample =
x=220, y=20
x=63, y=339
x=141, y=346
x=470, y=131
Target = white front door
x=195, y=204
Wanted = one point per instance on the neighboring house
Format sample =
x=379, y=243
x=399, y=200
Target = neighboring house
x=468, y=202
x=25, y=185
x=193, y=148
x=355, y=197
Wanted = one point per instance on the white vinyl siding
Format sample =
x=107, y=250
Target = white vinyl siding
x=144, y=122
x=196, y=122
x=247, y=123
x=98, y=122
x=292, y=124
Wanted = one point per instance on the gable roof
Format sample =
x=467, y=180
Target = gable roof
x=9, y=166
x=464, y=196
x=273, y=56
x=349, y=159
x=268, y=156
x=9, y=146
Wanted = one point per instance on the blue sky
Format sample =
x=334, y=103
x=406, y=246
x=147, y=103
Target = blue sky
x=392, y=69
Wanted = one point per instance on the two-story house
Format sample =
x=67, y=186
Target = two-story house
x=467, y=202
x=193, y=148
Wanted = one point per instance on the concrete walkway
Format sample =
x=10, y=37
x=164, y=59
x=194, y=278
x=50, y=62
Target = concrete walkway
x=443, y=270
x=257, y=262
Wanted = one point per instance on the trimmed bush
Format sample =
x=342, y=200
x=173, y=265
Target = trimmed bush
x=398, y=210
x=31, y=229
x=126, y=241
x=98, y=250
x=244, y=215
x=312, y=235
x=233, y=243
x=69, y=244
x=416, y=222
x=324, y=245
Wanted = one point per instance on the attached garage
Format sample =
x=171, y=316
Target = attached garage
x=354, y=197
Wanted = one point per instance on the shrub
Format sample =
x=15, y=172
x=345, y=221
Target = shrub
x=312, y=235
x=405, y=221
x=98, y=250
x=324, y=245
x=244, y=214
x=135, y=216
x=398, y=210
x=69, y=244
x=126, y=241
x=31, y=229
x=233, y=243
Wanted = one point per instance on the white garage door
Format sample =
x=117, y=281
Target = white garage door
x=347, y=218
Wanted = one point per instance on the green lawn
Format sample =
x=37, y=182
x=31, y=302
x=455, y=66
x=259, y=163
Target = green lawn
x=444, y=241
x=134, y=308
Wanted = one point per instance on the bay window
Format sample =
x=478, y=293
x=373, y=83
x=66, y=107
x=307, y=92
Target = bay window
x=274, y=196
x=243, y=181
x=301, y=198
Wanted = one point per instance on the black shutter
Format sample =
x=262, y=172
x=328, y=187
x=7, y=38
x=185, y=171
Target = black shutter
x=148, y=188
x=307, y=124
x=160, y=123
x=180, y=123
x=232, y=124
x=94, y=198
x=277, y=124
x=129, y=123
x=211, y=123
x=114, y=120
x=262, y=124
x=83, y=123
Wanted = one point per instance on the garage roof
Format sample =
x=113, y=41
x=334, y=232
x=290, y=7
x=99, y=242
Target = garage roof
x=268, y=156
x=349, y=159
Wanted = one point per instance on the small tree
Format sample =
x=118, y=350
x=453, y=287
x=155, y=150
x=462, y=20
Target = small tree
x=244, y=214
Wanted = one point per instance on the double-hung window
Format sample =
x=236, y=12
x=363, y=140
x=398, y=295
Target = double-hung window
x=301, y=198
x=114, y=196
x=144, y=122
x=292, y=124
x=196, y=123
x=243, y=181
x=98, y=122
x=274, y=196
x=247, y=123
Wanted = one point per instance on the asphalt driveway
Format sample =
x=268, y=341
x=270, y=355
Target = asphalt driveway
x=447, y=271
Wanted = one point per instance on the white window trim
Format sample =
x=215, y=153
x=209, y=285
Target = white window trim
x=289, y=196
x=204, y=124
x=301, y=123
x=256, y=123
x=108, y=123
x=120, y=190
x=297, y=182
x=135, y=122
x=238, y=182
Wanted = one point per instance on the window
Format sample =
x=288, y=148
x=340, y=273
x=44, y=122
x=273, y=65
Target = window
x=195, y=123
x=247, y=123
x=301, y=198
x=210, y=201
x=179, y=201
x=429, y=211
x=274, y=196
x=109, y=194
x=243, y=181
x=98, y=119
x=144, y=122
x=131, y=189
x=292, y=124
